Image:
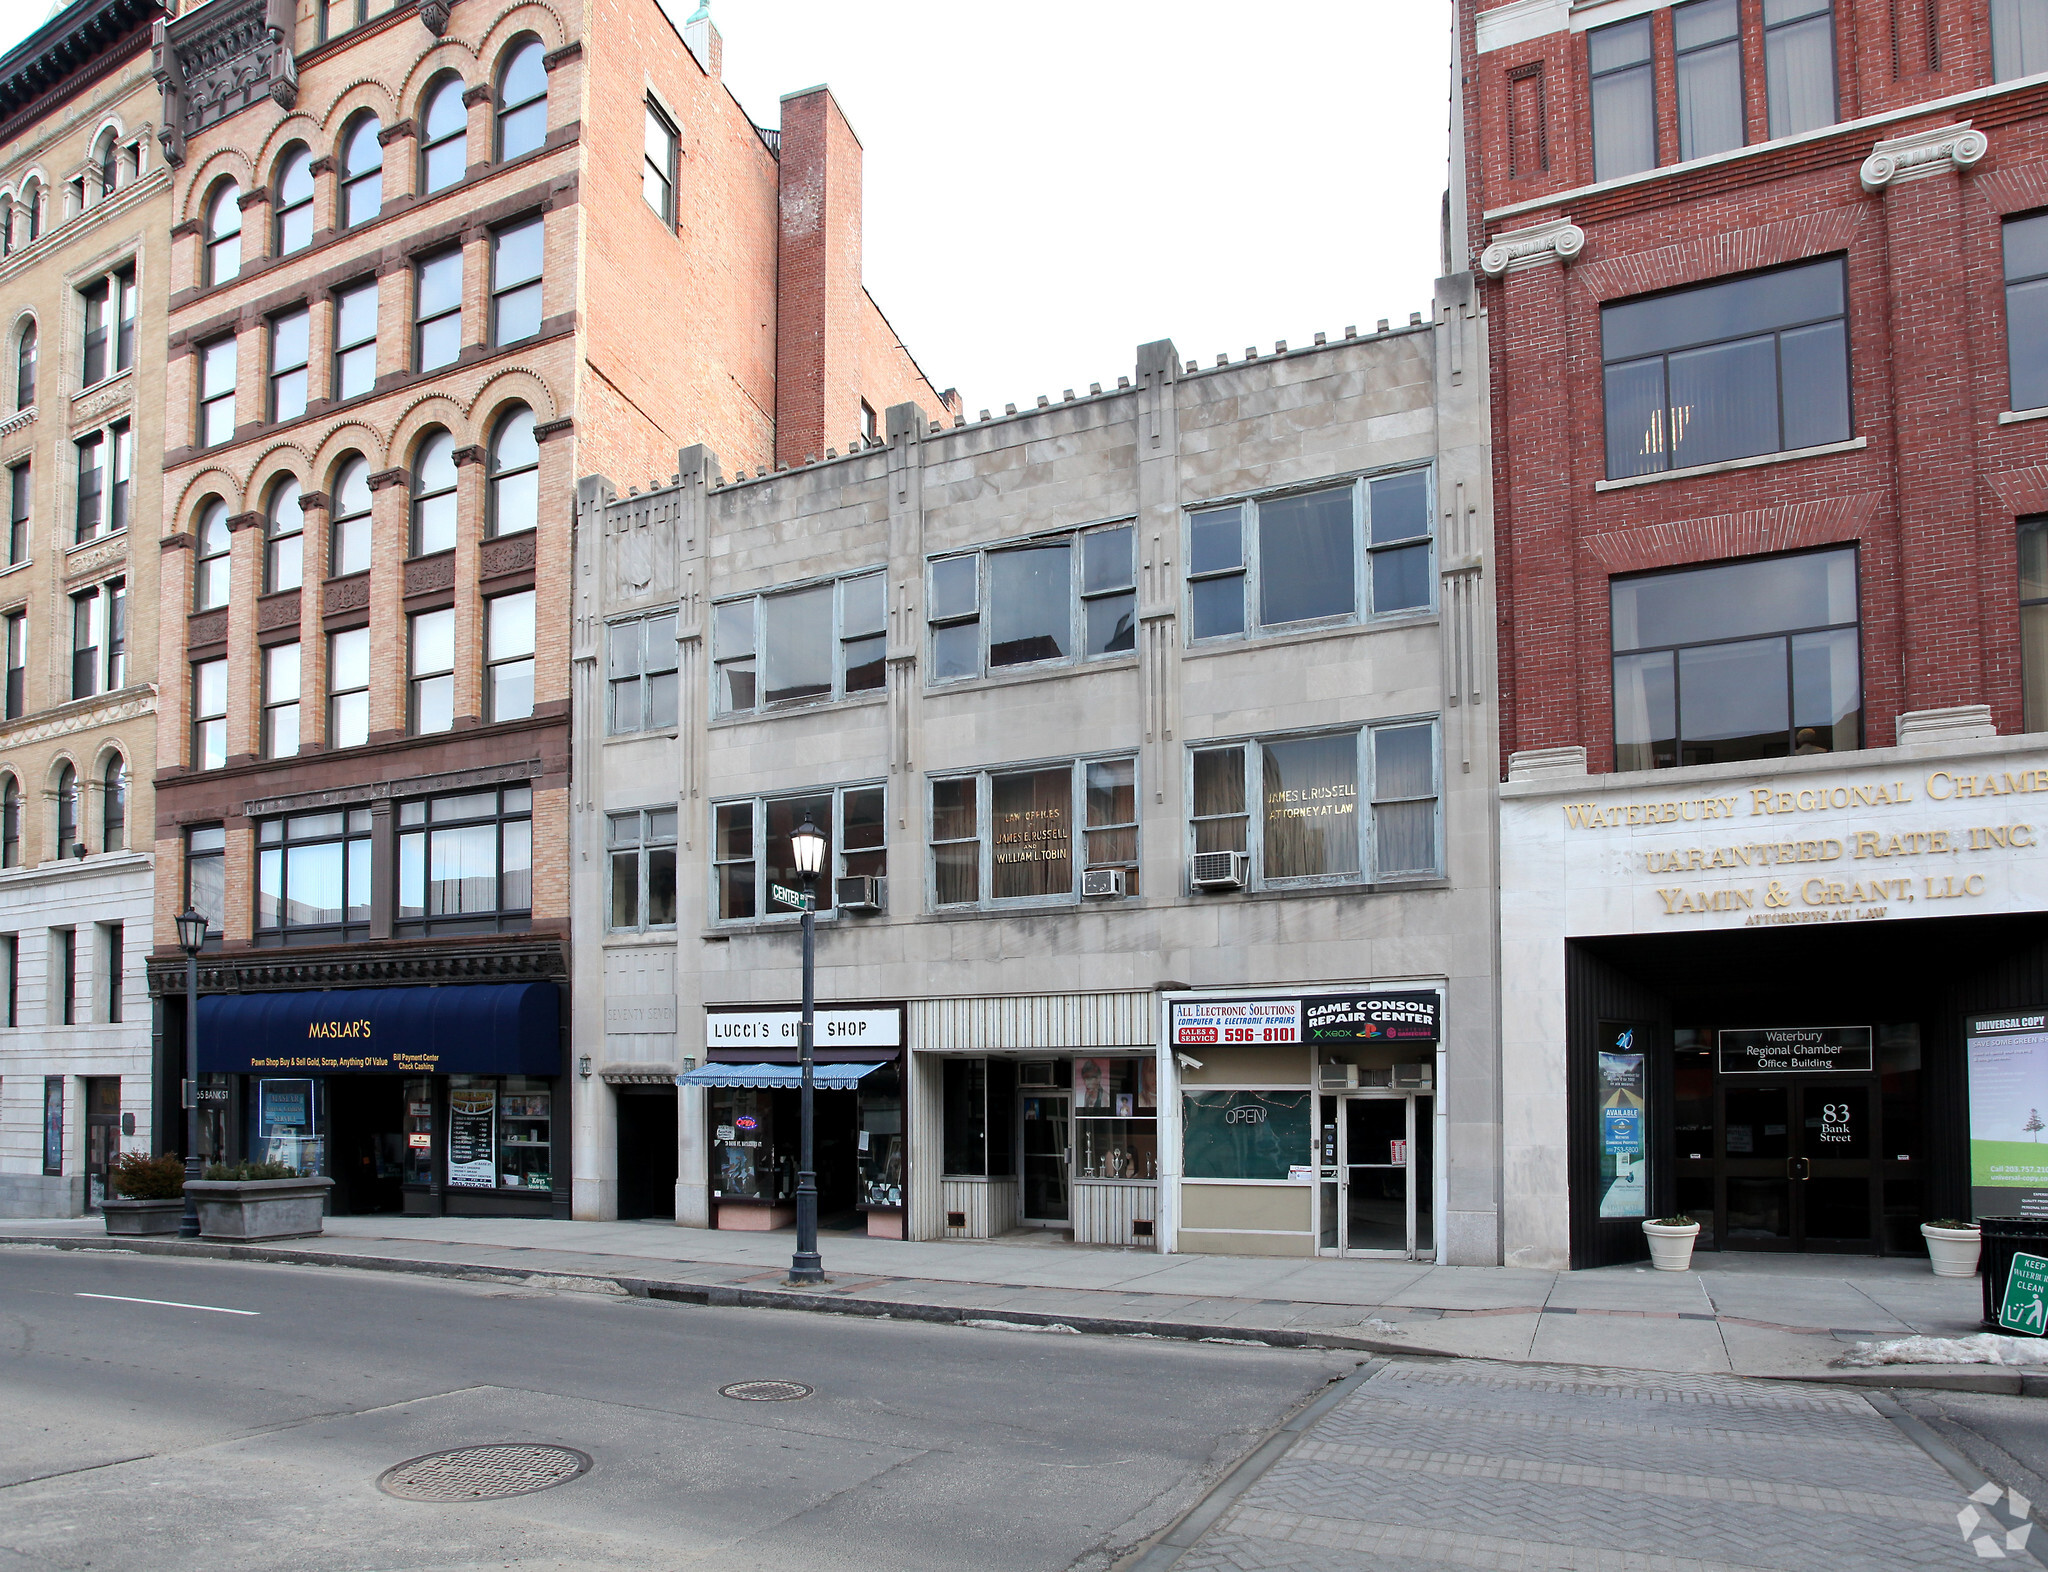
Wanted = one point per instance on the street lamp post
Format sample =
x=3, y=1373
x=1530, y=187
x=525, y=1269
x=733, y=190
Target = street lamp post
x=807, y=844
x=191, y=936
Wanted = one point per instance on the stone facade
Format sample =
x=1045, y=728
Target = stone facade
x=84, y=269
x=1051, y=971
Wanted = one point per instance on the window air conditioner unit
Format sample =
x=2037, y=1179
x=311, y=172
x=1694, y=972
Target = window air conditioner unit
x=1414, y=1077
x=1102, y=884
x=865, y=892
x=1038, y=1072
x=1223, y=870
x=1379, y=1077
x=1337, y=1077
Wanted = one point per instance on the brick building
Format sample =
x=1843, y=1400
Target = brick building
x=1763, y=280
x=84, y=251
x=429, y=261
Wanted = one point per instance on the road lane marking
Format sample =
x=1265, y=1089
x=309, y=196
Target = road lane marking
x=168, y=1304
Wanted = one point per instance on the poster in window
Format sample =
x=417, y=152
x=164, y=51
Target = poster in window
x=53, y=1124
x=2008, y=1059
x=1624, y=1148
x=1092, y=1085
x=472, y=1137
x=284, y=1124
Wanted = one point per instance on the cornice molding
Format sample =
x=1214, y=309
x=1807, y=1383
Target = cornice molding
x=392, y=963
x=1924, y=153
x=68, y=720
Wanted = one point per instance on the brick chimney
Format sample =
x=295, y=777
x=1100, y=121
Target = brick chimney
x=818, y=297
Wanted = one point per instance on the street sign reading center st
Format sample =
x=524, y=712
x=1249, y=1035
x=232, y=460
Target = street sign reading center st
x=2025, y=1306
x=788, y=897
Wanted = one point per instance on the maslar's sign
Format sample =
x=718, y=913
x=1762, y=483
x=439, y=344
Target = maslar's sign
x=1926, y=839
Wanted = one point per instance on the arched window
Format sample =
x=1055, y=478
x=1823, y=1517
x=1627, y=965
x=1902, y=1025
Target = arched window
x=294, y=200
x=350, y=534
x=67, y=810
x=433, y=494
x=224, y=233
x=210, y=557
x=522, y=101
x=25, y=367
x=444, y=136
x=515, y=473
x=10, y=824
x=32, y=202
x=362, y=173
x=114, y=821
x=110, y=165
x=284, y=558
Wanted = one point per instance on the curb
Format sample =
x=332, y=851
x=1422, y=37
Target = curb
x=2000, y=1381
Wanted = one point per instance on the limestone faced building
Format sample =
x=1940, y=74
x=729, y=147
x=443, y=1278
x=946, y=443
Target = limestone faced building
x=84, y=264
x=1765, y=281
x=430, y=262
x=1152, y=731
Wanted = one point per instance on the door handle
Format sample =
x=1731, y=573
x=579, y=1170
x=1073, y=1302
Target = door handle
x=1799, y=1168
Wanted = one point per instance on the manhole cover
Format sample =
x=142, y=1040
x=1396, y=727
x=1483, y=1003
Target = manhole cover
x=482, y=1473
x=765, y=1391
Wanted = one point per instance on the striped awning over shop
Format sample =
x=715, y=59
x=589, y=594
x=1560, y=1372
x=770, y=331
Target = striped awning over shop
x=772, y=1077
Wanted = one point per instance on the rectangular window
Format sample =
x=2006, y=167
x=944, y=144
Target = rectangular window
x=2033, y=555
x=2026, y=310
x=348, y=688
x=313, y=877
x=10, y=978
x=515, y=282
x=92, y=486
x=115, y=593
x=355, y=340
x=640, y=667
x=751, y=847
x=64, y=974
x=643, y=869
x=17, y=663
x=112, y=958
x=93, y=363
x=290, y=343
x=206, y=879
x=465, y=863
x=1740, y=660
x=19, y=492
x=124, y=319
x=432, y=683
x=508, y=656
x=437, y=312
x=121, y=458
x=1311, y=558
x=1799, y=65
x=1727, y=370
x=1624, y=99
x=1308, y=828
x=1056, y=599
x=1007, y=836
x=217, y=393
x=88, y=631
x=2019, y=38
x=209, y=714
x=658, y=166
x=281, y=701
x=1708, y=34
x=796, y=646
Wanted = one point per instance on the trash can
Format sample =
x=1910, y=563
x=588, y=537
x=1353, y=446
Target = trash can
x=2002, y=1237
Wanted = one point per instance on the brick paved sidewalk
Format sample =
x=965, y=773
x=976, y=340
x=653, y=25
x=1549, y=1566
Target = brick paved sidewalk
x=1472, y=1464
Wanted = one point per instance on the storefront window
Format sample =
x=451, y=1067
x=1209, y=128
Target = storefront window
x=978, y=1099
x=1116, y=1119
x=313, y=878
x=1247, y=1135
x=419, y=1132
x=291, y=1125
x=465, y=863
x=499, y=1132
x=880, y=1140
x=744, y=1163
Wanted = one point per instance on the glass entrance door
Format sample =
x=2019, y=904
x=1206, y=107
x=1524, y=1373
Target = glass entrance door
x=1047, y=1152
x=1796, y=1164
x=1378, y=1176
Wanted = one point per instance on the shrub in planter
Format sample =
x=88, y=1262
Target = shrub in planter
x=246, y=1170
x=159, y=1178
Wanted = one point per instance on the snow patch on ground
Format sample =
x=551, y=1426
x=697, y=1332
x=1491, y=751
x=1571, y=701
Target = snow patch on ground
x=1985, y=1348
x=989, y=1325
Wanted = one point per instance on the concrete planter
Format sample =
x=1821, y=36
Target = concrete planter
x=1671, y=1245
x=259, y=1208
x=141, y=1217
x=1952, y=1251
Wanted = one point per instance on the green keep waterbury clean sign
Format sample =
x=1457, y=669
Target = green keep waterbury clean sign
x=2026, y=1295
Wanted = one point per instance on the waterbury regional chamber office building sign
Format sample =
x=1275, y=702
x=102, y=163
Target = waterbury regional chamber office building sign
x=1852, y=911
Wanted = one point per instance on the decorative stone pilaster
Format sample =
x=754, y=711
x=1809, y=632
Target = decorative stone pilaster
x=1922, y=154
x=1553, y=240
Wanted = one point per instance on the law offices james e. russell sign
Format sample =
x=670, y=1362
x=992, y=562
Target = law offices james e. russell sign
x=1921, y=840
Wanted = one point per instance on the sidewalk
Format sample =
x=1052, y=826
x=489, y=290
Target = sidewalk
x=1734, y=1314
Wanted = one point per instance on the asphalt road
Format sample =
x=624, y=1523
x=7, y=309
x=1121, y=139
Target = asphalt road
x=159, y=1437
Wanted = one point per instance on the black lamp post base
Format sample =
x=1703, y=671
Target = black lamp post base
x=806, y=1271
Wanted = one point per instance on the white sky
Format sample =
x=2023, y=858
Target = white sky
x=1048, y=186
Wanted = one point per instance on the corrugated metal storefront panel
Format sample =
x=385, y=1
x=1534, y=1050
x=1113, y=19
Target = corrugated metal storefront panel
x=1049, y=1021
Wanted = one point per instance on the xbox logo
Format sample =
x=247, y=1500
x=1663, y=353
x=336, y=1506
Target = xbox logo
x=1987, y=1543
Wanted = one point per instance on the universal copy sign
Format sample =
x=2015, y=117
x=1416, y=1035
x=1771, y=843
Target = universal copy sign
x=2008, y=1058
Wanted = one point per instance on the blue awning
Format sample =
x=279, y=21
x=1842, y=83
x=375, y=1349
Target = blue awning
x=464, y=1029
x=774, y=1077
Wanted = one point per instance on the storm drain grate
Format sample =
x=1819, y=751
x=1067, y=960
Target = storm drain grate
x=765, y=1391
x=483, y=1473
